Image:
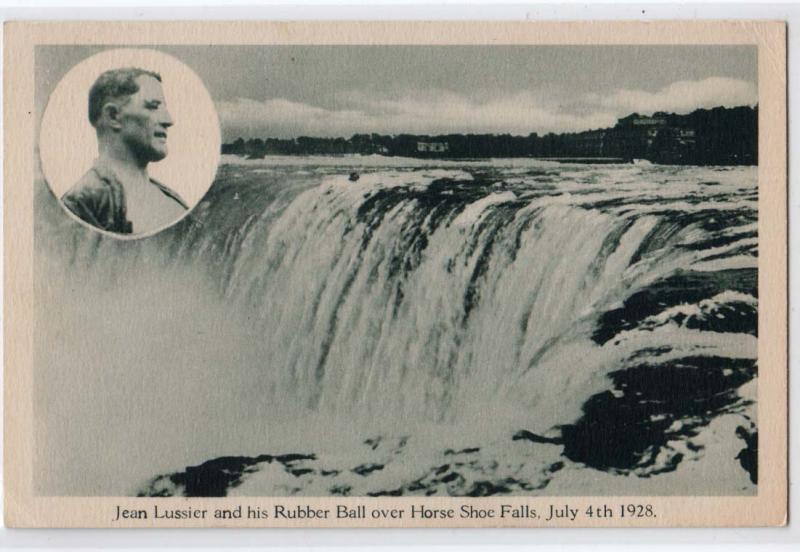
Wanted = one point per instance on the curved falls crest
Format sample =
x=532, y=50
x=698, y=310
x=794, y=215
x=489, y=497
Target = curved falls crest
x=492, y=299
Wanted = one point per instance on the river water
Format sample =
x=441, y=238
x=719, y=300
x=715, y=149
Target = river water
x=432, y=328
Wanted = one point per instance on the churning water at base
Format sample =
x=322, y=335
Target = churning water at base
x=469, y=328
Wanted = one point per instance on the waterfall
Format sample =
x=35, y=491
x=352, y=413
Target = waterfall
x=291, y=309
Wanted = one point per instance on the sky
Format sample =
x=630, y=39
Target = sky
x=290, y=91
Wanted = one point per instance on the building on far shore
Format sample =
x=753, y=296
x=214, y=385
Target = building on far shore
x=718, y=136
x=432, y=147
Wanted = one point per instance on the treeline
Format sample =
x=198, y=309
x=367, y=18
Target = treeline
x=718, y=136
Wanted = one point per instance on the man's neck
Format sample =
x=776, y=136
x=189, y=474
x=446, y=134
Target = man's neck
x=124, y=164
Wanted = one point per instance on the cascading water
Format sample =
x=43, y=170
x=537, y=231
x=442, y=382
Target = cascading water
x=457, y=328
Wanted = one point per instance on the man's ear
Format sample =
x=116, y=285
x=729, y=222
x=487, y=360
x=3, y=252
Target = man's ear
x=111, y=113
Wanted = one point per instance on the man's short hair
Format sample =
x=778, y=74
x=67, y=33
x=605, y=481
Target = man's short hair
x=113, y=84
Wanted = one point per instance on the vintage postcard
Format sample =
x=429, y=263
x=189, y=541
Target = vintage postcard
x=340, y=274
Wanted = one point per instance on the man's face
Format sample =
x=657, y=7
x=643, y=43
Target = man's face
x=144, y=121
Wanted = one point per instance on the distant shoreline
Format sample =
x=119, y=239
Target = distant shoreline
x=719, y=136
x=357, y=162
x=587, y=160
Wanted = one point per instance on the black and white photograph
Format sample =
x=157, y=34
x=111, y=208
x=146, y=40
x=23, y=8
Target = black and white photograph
x=109, y=127
x=405, y=271
x=446, y=271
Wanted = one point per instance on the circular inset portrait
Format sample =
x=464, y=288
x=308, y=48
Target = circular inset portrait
x=130, y=141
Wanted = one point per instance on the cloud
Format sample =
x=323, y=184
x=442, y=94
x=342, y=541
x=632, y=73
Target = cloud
x=681, y=97
x=430, y=113
x=442, y=111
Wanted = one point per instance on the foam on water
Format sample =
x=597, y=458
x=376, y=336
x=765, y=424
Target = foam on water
x=440, y=305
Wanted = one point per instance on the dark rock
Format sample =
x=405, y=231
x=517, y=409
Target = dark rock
x=215, y=477
x=340, y=490
x=684, y=287
x=287, y=458
x=366, y=469
x=487, y=488
x=470, y=450
x=453, y=476
x=526, y=435
x=748, y=456
x=627, y=429
x=394, y=492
